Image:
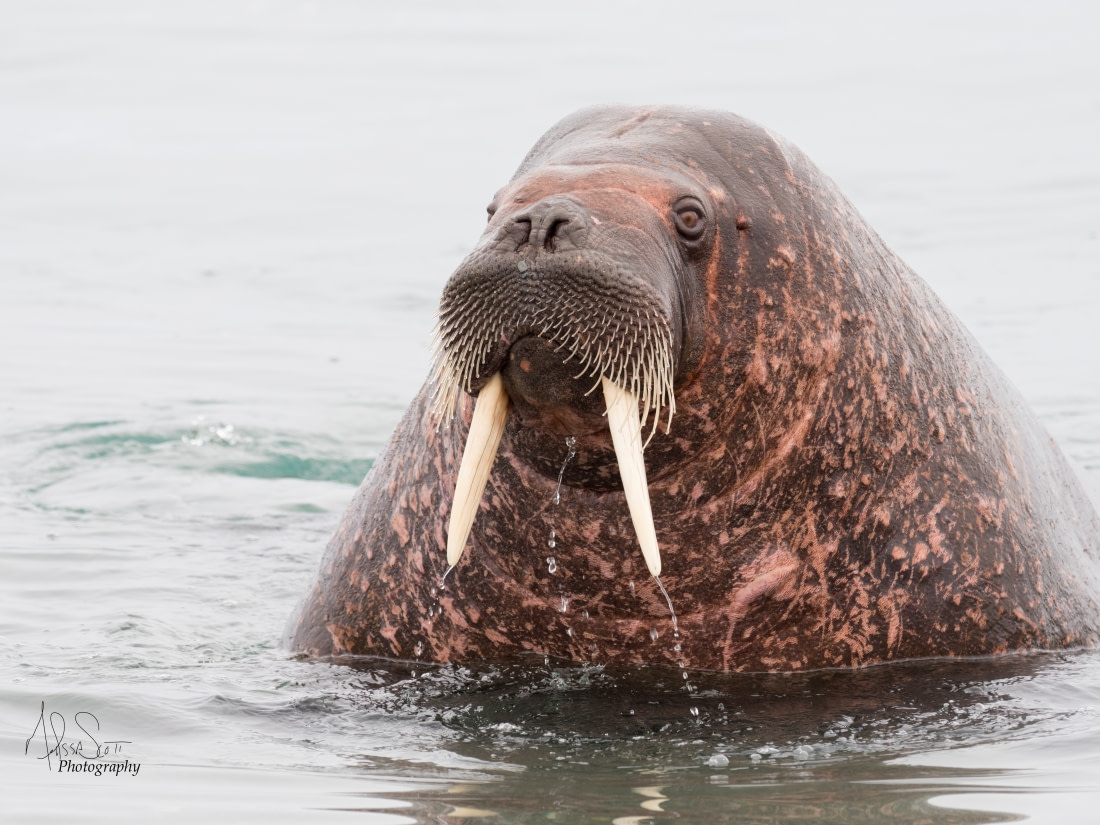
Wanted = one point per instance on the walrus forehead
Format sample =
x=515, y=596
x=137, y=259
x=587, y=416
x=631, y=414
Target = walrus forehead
x=606, y=182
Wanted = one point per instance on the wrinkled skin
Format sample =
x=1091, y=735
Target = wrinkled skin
x=847, y=479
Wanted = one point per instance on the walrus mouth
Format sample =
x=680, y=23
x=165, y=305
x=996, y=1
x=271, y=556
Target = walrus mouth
x=607, y=320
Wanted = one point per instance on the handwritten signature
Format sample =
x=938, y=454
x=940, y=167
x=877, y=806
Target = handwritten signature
x=69, y=752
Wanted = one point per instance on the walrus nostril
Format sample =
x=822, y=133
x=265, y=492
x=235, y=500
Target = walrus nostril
x=549, y=242
x=553, y=224
x=521, y=231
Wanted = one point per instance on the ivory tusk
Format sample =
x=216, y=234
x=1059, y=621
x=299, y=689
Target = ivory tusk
x=626, y=435
x=486, y=428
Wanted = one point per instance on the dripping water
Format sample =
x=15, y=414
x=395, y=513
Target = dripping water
x=552, y=542
x=551, y=562
x=437, y=594
x=676, y=647
x=434, y=609
x=675, y=621
x=571, y=447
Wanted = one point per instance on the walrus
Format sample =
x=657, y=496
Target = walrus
x=688, y=408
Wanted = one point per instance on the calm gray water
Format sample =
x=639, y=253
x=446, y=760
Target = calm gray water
x=224, y=226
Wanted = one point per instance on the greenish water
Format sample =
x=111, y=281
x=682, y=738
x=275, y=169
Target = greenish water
x=223, y=231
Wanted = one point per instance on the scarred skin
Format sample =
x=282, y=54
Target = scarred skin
x=848, y=478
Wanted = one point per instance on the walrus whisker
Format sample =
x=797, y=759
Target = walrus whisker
x=626, y=338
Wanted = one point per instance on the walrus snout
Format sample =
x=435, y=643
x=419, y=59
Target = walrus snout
x=602, y=314
x=578, y=312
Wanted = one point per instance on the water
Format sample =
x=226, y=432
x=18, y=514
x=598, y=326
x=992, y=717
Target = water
x=223, y=230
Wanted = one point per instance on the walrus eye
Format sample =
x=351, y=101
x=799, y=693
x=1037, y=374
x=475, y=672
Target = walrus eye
x=690, y=219
x=491, y=209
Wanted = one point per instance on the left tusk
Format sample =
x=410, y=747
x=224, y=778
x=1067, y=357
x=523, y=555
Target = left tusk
x=486, y=428
x=626, y=435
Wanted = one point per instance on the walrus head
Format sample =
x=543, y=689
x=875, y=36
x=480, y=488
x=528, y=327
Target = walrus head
x=585, y=278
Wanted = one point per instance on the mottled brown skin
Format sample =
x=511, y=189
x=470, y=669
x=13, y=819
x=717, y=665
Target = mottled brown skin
x=848, y=478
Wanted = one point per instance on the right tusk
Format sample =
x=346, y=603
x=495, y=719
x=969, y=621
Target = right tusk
x=626, y=435
x=486, y=428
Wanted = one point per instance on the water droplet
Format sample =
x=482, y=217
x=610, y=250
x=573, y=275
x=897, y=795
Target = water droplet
x=584, y=614
x=719, y=760
x=685, y=672
x=569, y=631
x=551, y=564
x=654, y=634
x=676, y=647
x=631, y=585
x=695, y=712
x=557, y=496
x=564, y=605
x=419, y=649
x=553, y=542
